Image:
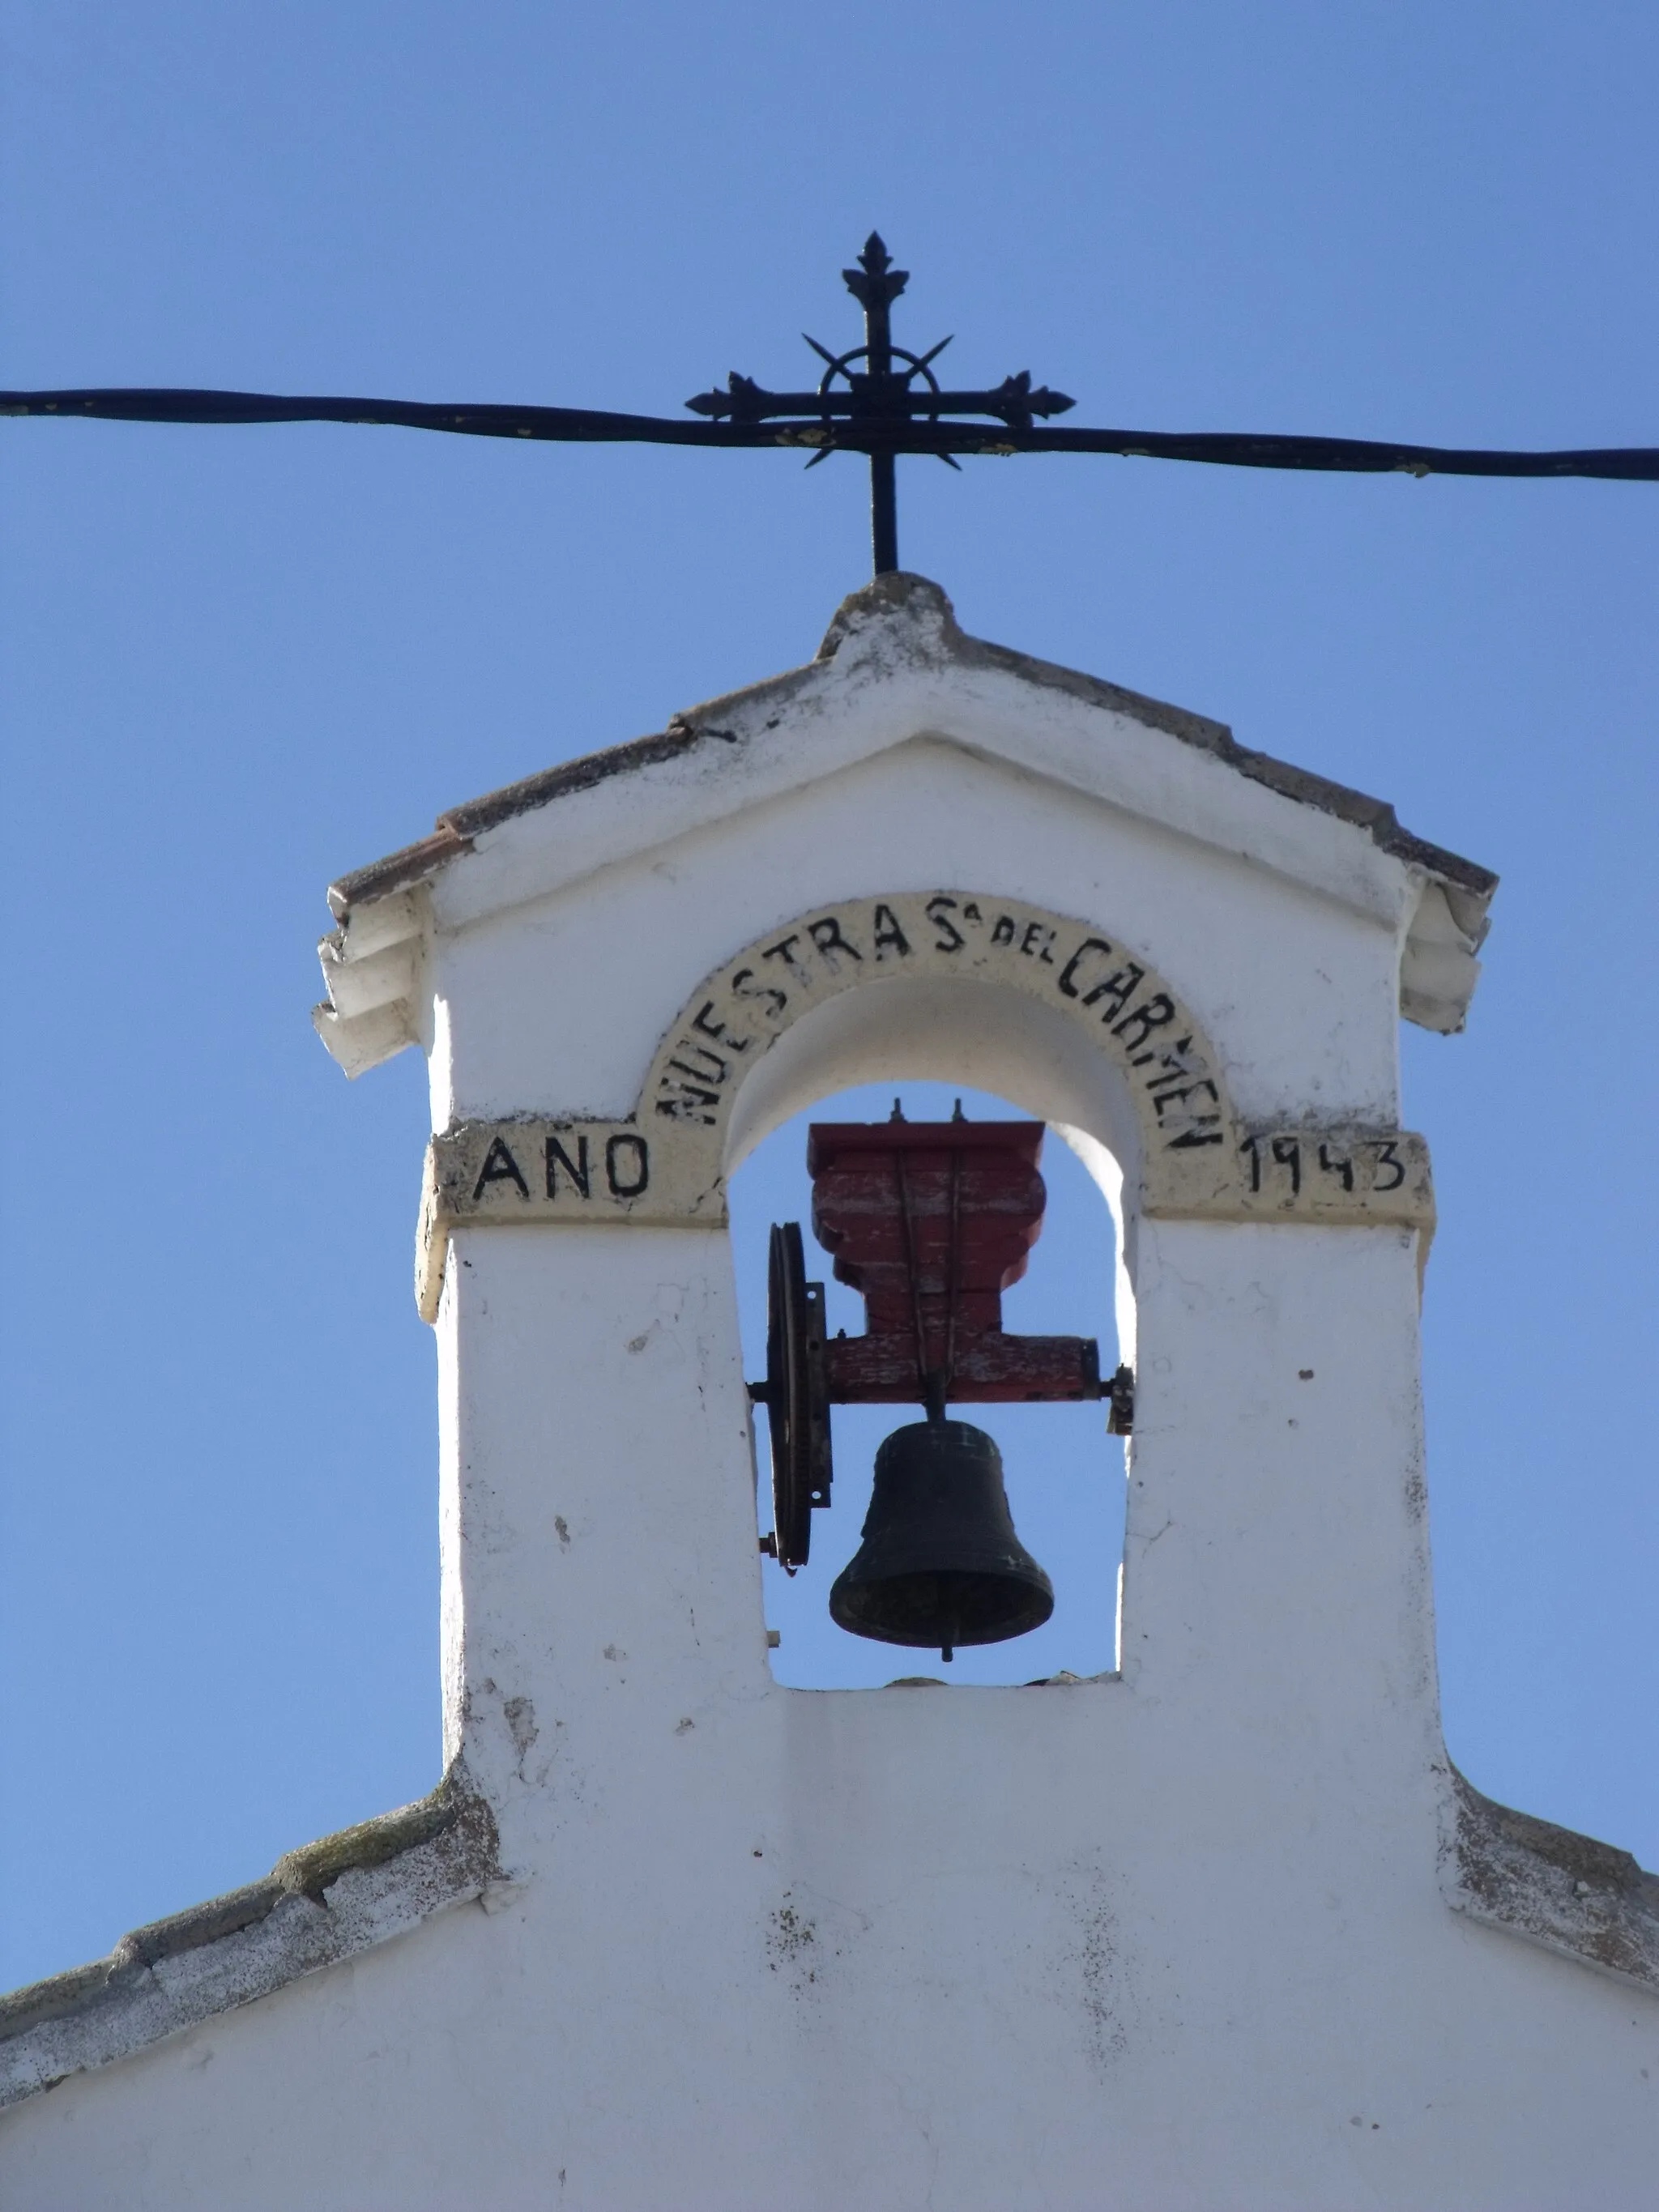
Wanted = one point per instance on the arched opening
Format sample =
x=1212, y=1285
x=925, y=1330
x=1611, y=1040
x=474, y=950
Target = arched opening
x=930, y=1045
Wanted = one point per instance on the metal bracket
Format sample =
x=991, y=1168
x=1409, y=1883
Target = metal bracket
x=1121, y=1421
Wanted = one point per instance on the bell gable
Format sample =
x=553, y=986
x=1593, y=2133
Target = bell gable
x=895, y=671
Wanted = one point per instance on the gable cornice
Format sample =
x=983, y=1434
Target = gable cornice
x=894, y=668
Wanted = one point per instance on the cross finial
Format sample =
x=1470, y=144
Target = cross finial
x=875, y=280
x=884, y=389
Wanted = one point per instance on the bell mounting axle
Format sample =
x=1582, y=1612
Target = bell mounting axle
x=878, y=399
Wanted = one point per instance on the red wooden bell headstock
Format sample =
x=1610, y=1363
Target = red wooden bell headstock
x=932, y=1221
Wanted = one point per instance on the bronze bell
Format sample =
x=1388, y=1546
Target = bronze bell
x=939, y=1562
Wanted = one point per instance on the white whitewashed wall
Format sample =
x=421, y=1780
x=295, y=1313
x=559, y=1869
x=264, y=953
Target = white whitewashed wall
x=1174, y=1940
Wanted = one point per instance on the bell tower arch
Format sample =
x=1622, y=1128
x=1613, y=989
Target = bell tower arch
x=1056, y=1003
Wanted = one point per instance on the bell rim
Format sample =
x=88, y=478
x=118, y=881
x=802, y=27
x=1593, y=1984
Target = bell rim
x=963, y=1637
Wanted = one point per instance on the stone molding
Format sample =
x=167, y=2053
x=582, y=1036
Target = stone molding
x=1551, y=1885
x=326, y=1902
x=664, y=1164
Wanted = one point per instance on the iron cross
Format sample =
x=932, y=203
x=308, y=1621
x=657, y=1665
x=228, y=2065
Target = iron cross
x=894, y=390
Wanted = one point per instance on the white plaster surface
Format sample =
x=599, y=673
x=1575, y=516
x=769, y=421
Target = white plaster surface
x=1173, y=1941
x=1298, y=992
x=1169, y=1940
x=896, y=671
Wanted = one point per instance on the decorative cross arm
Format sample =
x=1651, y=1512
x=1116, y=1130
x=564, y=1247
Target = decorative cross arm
x=1014, y=401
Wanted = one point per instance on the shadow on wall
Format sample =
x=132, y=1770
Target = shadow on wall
x=1064, y=1472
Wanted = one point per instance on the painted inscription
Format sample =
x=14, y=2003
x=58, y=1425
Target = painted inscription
x=1280, y=1165
x=527, y=1170
x=748, y=1005
x=1326, y=1174
x=566, y=1159
x=663, y=1164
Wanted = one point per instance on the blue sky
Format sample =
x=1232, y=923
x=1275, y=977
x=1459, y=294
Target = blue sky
x=236, y=663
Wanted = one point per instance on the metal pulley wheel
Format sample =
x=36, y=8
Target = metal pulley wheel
x=795, y=1395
